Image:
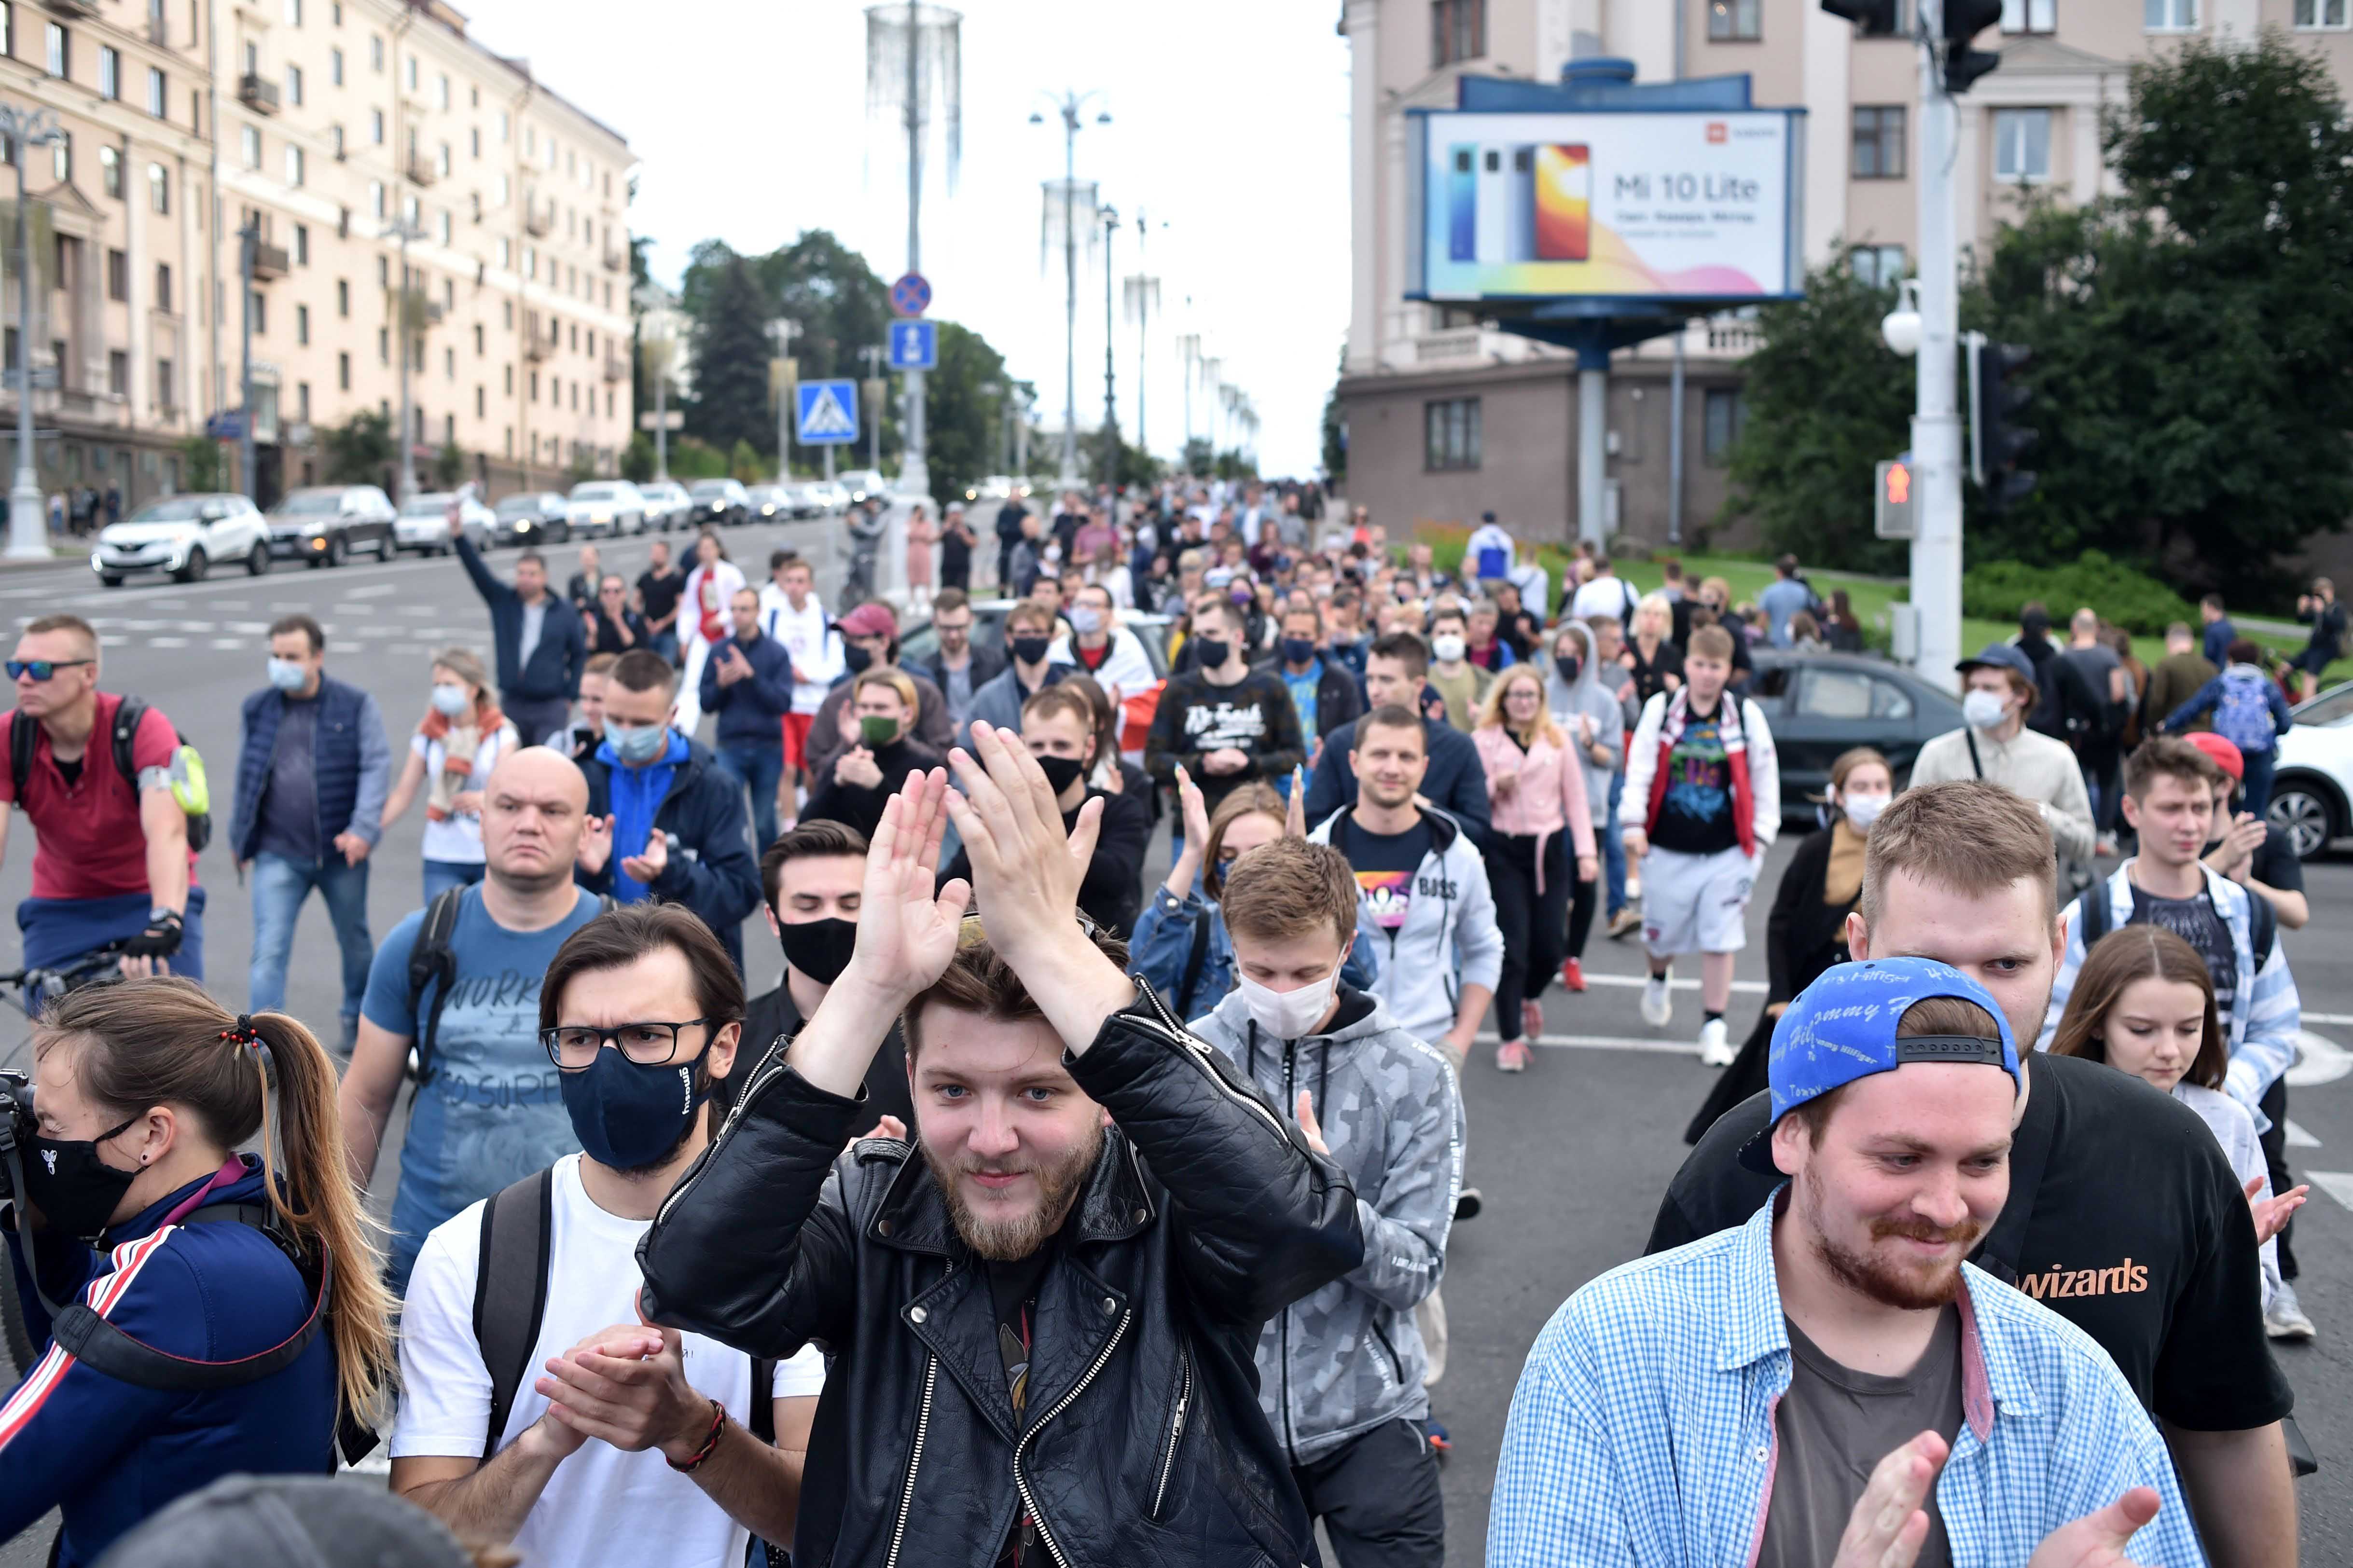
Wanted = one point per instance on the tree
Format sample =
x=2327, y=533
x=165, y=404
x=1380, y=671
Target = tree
x=361, y=450
x=744, y=465
x=449, y=467
x=2192, y=335
x=1827, y=400
x=732, y=349
x=964, y=408
x=637, y=458
x=1199, y=458
x=202, y=466
x=1336, y=426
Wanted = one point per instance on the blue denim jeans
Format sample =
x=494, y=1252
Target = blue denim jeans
x=440, y=876
x=757, y=765
x=664, y=642
x=1613, y=848
x=279, y=887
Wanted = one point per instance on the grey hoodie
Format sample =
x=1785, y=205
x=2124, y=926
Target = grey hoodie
x=1450, y=938
x=1347, y=1358
x=1608, y=716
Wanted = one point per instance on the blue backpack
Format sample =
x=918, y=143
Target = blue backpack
x=2243, y=714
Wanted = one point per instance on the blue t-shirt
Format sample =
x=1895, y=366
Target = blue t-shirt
x=1303, y=685
x=493, y=1112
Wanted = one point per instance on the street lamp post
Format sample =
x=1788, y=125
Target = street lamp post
x=872, y=355
x=28, y=532
x=1071, y=107
x=248, y=240
x=784, y=332
x=403, y=228
x=1111, y=383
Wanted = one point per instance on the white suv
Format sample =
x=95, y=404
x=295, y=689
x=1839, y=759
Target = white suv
x=183, y=536
x=606, y=507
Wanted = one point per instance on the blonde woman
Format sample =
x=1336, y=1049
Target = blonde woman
x=879, y=725
x=460, y=739
x=1651, y=655
x=1536, y=783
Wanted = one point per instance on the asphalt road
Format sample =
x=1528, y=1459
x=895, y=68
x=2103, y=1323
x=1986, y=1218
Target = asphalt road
x=1571, y=1157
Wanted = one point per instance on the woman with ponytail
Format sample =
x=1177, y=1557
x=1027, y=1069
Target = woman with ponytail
x=169, y=1261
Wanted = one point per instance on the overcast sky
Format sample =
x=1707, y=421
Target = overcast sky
x=1230, y=126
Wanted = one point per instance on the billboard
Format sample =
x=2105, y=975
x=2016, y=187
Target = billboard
x=1641, y=206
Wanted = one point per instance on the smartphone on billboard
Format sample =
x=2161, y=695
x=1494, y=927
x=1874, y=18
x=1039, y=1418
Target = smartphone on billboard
x=1520, y=213
x=1494, y=206
x=1462, y=203
x=1564, y=202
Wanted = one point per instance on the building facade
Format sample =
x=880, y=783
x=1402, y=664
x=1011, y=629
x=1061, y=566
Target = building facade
x=1447, y=417
x=312, y=132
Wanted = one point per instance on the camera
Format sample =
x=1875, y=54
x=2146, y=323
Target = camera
x=17, y=1126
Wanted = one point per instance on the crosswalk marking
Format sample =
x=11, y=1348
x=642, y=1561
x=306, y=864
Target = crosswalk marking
x=2337, y=1185
x=2297, y=1137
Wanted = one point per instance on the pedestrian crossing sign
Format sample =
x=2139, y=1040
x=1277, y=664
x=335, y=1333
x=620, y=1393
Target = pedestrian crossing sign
x=827, y=413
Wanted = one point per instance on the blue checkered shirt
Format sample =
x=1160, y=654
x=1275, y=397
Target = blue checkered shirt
x=1643, y=1431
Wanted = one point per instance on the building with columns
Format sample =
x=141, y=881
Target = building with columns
x=1447, y=417
x=321, y=126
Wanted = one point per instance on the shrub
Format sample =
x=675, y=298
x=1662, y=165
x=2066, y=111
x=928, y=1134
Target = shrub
x=1998, y=590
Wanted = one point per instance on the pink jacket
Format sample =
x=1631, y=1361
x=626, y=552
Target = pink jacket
x=1550, y=796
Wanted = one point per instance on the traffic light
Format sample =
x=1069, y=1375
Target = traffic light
x=2000, y=399
x=1871, y=18
x=1964, y=20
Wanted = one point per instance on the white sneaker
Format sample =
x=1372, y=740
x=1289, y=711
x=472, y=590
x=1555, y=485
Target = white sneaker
x=1714, y=1049
x=1657, y=1005
x=2285, y=1319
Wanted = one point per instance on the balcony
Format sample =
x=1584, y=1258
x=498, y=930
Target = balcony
x=617, y=261
x=421, y=171
x=74, y=7
x=258, y=93
x=538, y=351
x=536, y=223
x=270, y=263
x=416, y=312
x=616, y=368
x=159, y=31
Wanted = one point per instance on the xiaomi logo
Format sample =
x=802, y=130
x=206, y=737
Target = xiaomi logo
x=1718, y=133
x=2127, y=1278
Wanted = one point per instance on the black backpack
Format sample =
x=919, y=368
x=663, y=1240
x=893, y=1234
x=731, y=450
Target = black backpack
x=2262, y=919
x=433, y=959
x=24, y=737
x=511, y=1302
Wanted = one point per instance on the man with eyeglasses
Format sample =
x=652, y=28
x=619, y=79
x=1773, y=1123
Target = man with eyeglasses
x=488, y=1108
x=112, y=862
x=554, y=1418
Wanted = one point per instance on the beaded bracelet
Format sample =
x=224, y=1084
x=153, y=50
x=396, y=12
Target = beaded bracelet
x=718, y=1425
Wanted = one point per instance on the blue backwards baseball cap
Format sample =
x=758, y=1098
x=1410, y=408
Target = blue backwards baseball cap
x=1842, y=1028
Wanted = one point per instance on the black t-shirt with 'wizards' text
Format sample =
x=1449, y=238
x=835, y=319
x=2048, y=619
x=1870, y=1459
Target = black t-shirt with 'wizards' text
x=2139, y=1235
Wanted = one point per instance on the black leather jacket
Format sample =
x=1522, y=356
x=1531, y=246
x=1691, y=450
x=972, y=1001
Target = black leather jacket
x=1146, y=1445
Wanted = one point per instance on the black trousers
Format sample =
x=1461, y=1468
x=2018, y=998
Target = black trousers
x=1581, y=904
x=1535, y=926
x=1379, y=1500
x=2274, y=1105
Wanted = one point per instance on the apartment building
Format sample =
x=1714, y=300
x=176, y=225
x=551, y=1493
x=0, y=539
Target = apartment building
x=1447, y=417
x=324, y=129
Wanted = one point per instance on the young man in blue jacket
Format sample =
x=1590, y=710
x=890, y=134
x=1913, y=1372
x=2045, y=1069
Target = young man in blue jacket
x=541, y=641
x=748, y=682
x=1456, y=783
x=312, y=777
x=666, y=821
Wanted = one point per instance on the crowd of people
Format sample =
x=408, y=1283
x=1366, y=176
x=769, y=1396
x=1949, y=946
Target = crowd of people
x=1096, y=1218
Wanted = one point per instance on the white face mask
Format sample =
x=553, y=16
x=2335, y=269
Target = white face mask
x=1449, y=650
x=1289, y=1014
x=1984, y=709
x=1862, y=810
x=450, y=701
x=1085, y=620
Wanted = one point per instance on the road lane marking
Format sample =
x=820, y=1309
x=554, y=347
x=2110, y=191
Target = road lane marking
x=2297, y=1137
x=2319, y=1060
x=2325, y=1017
x=1662, y=1046
x=372, y=591
x=1752, y=987
x=2337, y=1185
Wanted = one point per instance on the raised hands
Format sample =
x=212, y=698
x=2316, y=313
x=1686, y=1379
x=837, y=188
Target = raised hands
x=1888, y=1525
x=2271, y=1214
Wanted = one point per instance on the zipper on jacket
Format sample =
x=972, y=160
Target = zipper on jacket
x=1176, y=1429
x=914, y=1460
x=1020, y=1482
x=1173, y=1031
x=1397, y=1362
x=766, y=1074
x=1283, y=1335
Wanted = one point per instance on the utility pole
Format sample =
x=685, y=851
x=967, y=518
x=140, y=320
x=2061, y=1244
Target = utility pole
x=1189, y=347
x=1935, y=423
x=915, y=473
x=28, y=531
x=247, y=239
x=1111, y=385
x=784, y=332
x=872, y=355
x=1071, y=107
x=403, y=228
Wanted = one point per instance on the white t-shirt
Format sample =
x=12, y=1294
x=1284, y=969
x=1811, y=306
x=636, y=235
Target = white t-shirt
x=459, y=837
x=602, y=1506
x=1603, y=596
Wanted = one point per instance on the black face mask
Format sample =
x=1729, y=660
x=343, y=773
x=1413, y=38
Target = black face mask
x=1298, y=651
x=819, y=949
x=1062, y=772
x=1568, y=665
x=628, y=1116
x=75, y=1190
x=856, y=658
x=1212, y=652
x=1031, y=651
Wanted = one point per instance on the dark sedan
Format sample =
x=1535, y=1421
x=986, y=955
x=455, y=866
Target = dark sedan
x=718, y=503
x=1820, y=704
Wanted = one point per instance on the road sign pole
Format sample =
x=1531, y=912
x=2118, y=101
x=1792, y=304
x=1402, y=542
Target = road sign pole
x=1936, y=425
x=28, y=532
x=661, y=425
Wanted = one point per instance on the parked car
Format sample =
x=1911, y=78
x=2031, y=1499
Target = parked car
x=423, y=524
x=326, y=525
x=803, y=500
x=531, y=517
x=861, y=485
x=995, y=488
x=1820, y=704
x=718, y=503
x=828, y=495
x=667, y=506
x=183, y=535
x=768, y=503
x=2312, y=774
x=599, y=507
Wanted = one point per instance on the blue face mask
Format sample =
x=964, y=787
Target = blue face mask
x=636, y=742
x=286, y=675
x=628, y=1116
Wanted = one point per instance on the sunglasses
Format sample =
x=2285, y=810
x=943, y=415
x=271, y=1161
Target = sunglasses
x=42, y=668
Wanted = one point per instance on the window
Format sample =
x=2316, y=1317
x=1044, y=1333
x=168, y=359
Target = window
x=335, y=67
x=62, y=156
x=302, y=324
x=444, y=92
x=1725, y=411
x=256, y=304
x=252, y=57
x=376, y=54
x=159, y=93
x=505, y=126
x=2021, y=144
x=1450, y=434
x=118, y=275
x=165, y=391
x=375, y=126
x=506, y=253
x=343, y=298
x=109, y=172
x=248, y=139
x=376, y=198
x=449, y=363
x=293, y=164
x=441, y=161
x=412, y=73
x=60, y=50
x=118, y=374
x=9, y=28
x=1877, y=265
x=293, y=13
x=383, y=273
x=335, y=141
x=2311, y=13
x=506, y=188
x=301, y=245
x=1879, y=142
x=2170, y=16
x=343, y=372
x=295, y=85
x=1734, y=21
x=445, y=225
x=2030, y=15
x=109, y=72
x=163, y=285
x=477, y=337
x=475, y=136
x=302, y=401
x=383, y=346
x=335, y=11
